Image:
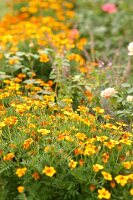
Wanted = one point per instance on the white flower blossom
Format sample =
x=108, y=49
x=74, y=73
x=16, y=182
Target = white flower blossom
x=130, y=49
x=129, y=98
x=109, y=92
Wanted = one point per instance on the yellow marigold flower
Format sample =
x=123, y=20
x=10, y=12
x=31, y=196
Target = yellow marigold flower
x=32, y=125
x=131, y=191
x=103, y=194
x=107, y=176
x=68, y=138
x=90, y=149
x=67, y=113
x=109, y=126
x=9, y=156
x=130, y=177
x=43, y=131
x=83, y=109
x=85, y=121
x=101, y=138
x=98, y=110
x=47, y=148
x=80, y=136
x=21, y=171
x=126, y=141
x=2, y=124
x=122, y=180
x=121, y=123
x=20, y=189
x=107, y=117
x=11, y=120
x=13, y=61
x=127, y=165
x=97, y=167
x=72, y=164
x=49, y=171
x=111, y=143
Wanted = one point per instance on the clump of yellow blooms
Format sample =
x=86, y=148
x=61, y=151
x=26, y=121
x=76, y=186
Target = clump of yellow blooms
x=43, y=140
x=65, y=137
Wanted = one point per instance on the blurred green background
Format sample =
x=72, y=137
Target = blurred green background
x=3, y=7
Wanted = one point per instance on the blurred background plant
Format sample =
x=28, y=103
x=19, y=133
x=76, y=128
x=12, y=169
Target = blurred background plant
x=108, y=33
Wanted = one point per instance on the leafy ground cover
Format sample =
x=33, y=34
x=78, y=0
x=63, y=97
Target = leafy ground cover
x=66, y=100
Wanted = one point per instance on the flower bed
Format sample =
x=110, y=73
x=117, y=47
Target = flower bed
x=65, y=118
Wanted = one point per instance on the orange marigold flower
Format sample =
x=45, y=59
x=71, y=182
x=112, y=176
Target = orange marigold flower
x=81, y=162
x=105, y=157
x=44, y=58
x=50, y=83
x=49, y=171
x=78, y=151
x=92, y=188
x=21, y=76
x=27, y=143
x=20, y=189
x=36, y=176
x=9, y=156
x=112, y=184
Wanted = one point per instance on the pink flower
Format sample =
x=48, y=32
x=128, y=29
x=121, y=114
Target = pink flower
x=109, y=8
x=74, y=33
